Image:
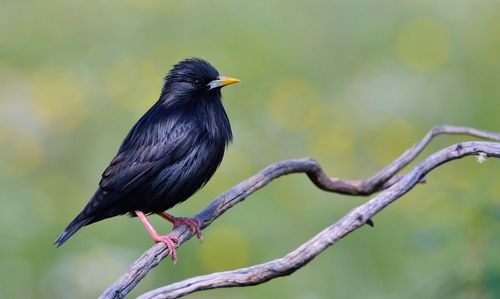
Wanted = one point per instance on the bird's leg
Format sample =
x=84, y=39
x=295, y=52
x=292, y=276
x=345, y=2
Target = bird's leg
x=170, y=241
x=193, y=223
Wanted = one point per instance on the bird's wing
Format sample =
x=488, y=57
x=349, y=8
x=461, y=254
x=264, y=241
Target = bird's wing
x=144, y=151
x=133, y=164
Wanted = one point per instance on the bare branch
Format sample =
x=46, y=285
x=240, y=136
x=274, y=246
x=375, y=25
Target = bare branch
x=329, y=236
x=384, y=179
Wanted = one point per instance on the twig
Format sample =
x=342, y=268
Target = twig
x=329, y=236
x=382, y=180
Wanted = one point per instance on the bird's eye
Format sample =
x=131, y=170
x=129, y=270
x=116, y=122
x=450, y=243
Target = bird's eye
x=197, y=82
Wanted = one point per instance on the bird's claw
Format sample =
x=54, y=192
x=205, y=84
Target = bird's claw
x=171, y=242
x=192, y=223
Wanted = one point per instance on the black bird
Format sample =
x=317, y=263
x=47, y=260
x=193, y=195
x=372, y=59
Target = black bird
x=170, y=153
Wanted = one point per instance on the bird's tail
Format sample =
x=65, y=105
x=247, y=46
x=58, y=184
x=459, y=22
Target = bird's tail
x=79, y=222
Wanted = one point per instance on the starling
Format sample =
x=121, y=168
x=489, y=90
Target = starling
x=170, y=153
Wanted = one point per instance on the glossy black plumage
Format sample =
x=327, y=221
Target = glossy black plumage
x=171, y=152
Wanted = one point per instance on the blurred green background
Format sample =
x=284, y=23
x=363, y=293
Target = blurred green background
x=350, y=83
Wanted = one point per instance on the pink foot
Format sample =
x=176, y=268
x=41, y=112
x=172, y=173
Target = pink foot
x=171, y=243
x=193, y=223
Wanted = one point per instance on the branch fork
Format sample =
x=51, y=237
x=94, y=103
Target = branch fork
x=389, y=181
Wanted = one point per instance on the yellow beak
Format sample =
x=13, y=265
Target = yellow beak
x=222, y=81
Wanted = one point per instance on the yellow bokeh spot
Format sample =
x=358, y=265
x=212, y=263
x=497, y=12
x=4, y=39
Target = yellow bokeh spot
x=423, y=44
x=334, y=147
x=57, y=100
x=238, y=163
x=294, y=105
x=226, y=248
x=134, y=84
x=391, y=141
x=21, y=153
x=331, y=138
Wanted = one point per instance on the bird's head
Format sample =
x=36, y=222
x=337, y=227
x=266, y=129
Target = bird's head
x=193, y=79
